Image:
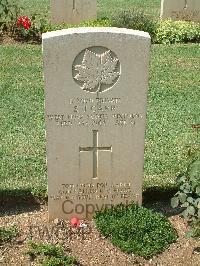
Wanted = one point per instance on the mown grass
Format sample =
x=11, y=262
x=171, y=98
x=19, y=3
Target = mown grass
x=173, y=106
x=105, y=7
x=22, y=146
x=108, y=8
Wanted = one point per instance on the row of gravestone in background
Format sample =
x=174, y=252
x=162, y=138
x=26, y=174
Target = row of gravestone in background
x=75, y=11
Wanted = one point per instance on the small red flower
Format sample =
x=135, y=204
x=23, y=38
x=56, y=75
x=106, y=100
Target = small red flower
x=75, y=222
x=24, y=21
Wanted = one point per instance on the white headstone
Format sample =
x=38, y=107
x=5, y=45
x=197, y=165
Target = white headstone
x=181, y=10
x=96, y=82
x=73, y=11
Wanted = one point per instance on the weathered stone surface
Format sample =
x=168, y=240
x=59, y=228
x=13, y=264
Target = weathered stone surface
x=96, y=82
x=73, y=11
x=181, y=10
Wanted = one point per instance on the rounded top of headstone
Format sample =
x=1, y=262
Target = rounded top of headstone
x=87, y=30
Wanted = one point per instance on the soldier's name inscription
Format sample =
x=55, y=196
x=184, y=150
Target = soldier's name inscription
x=94, y=112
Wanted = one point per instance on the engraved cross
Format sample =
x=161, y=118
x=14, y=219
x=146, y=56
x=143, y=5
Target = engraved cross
x=95, y=149
x=186, y=4
x=74, y=4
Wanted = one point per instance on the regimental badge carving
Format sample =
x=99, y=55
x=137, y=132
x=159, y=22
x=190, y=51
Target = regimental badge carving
x=96, y=69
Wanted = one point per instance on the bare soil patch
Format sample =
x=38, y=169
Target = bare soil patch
x=8, y=39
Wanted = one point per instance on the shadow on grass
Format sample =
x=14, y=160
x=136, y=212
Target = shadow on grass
x=8, y=210
x=159, y=200
x=20, y=199
x=153, y=194
x=156, y=198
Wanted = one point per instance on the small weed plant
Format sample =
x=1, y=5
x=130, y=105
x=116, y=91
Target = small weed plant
x=136, y=229
x=188, y=195
x=49, y=255
x=7, y=234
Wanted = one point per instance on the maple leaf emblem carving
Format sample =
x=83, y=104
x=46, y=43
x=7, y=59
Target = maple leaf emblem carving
x=97, y=71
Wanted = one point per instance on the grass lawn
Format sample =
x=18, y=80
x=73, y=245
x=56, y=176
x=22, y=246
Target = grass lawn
x=105, y=7
x=173, y=106
x=22, y=148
